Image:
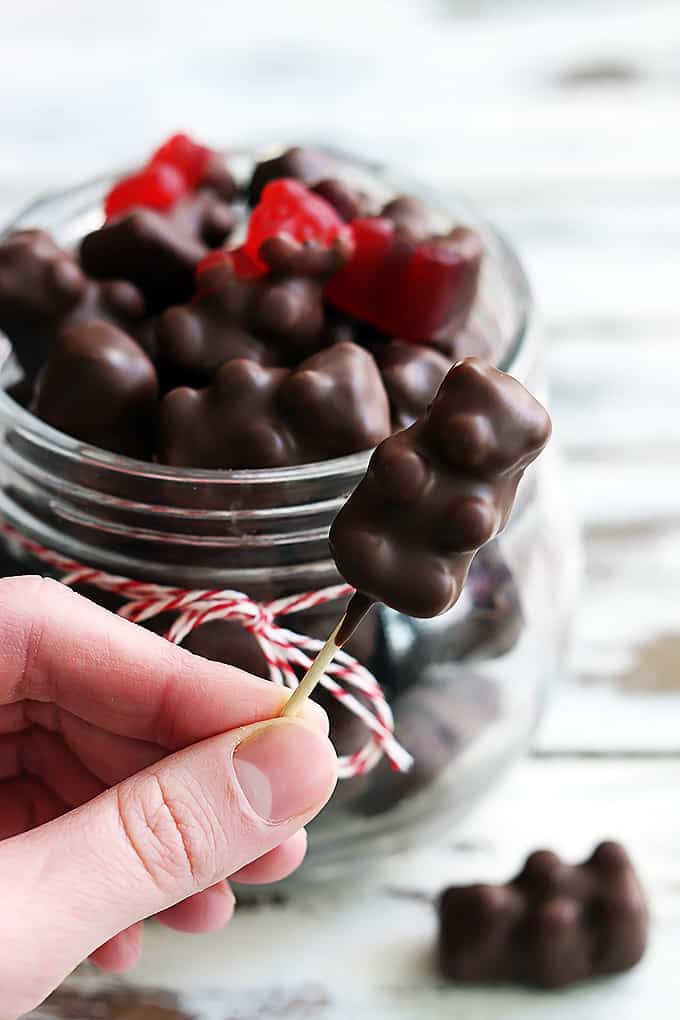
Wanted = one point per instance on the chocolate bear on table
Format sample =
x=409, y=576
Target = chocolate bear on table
x=42, y=289
x=275, y=319
x=252, y=416
x=112, y=1003
x=99, y=386
x=552, y=925
x=438, y=491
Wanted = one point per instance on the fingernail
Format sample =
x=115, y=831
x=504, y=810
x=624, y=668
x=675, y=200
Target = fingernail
x=313, y=714
x=285, y=769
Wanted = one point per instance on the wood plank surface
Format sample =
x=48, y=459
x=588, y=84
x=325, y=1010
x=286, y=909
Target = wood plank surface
x=366, y=952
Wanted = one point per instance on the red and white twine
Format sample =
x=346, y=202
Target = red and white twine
x=287, y=653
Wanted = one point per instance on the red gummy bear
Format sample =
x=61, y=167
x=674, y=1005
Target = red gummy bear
x=414, y=291
x=358, y=288
x=155, y=187
x=288, y=207
x=238, y=259
x=178, y=166
x=190, y=158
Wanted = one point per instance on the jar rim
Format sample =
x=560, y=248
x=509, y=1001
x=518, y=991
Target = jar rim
x=53, y=441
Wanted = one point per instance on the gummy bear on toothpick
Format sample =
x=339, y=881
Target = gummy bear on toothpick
x=438, y=491
x=432, y=496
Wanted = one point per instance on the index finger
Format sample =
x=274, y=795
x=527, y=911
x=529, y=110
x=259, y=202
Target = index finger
x=56, y=646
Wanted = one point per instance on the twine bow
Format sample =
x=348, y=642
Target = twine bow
x=287, y=653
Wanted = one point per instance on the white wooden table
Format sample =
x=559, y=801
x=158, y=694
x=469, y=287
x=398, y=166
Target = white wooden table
x=561, y=119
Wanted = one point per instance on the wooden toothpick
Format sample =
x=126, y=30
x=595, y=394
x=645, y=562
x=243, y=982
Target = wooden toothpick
x=358, y=606
x=311, y=678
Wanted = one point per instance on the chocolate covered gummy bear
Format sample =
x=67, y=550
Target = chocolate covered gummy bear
x=99, y=386
x=252, y=416
x=204, y=215
x=410, y=216
x=188, y=182
x=347, y=201
x=162, y=220
x=42, y=289
x=552, y=925
x=438, y=491
x=307, y=165
x=412, y=375
x=147, y=248
x=276, y=318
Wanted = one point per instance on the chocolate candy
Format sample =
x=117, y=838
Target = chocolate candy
x=195, y=339
x=480, y=337
x=99, y=386
x=552, y=925
x=218, y=178
x=304, y=164
x=189, y=183
x=347, y=201
x=490, y=625
x=495, y=621
x=436, y=718
x=438, y=491
x=205, y=216
x=338, y=327
x=410, y=216
x=38, y=281
x=207, y=213
x=412, y=375
x=147, y=248
x=119, y=1003
x=252, y=416
x=274, y=319
x=42, y=288
x=196, y=427
x=290, y=308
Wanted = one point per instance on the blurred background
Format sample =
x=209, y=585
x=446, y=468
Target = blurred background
x=560, y=119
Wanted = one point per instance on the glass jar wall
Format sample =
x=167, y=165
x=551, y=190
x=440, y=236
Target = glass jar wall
x=466, y=688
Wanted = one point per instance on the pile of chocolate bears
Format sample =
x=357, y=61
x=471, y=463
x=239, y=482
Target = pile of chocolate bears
x=331, y=323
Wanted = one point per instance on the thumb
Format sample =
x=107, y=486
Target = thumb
x=168, y=832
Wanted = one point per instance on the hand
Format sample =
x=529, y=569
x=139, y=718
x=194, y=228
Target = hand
x=134, y=777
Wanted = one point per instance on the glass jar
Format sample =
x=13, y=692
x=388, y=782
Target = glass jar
x=466, y=688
